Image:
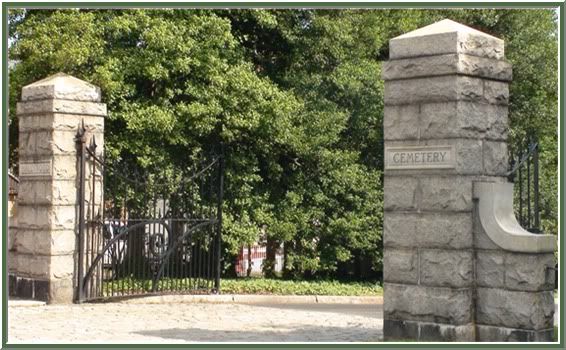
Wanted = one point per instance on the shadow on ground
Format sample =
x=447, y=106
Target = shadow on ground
x=283, y=334
x=365, y=310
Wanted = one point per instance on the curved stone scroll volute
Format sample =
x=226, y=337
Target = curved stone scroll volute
x=498, y=220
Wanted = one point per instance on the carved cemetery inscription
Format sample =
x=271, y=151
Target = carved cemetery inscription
x=420, y=157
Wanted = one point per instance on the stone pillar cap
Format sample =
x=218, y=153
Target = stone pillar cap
x=446, y=37
x=61, y=86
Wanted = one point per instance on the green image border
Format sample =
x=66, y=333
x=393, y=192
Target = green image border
x=6, y=6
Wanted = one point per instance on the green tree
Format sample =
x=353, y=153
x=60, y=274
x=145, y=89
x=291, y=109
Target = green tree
x=332, y=58
x=294, y=96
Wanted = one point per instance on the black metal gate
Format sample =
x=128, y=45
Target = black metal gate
x=525, y=174
x=146, y=232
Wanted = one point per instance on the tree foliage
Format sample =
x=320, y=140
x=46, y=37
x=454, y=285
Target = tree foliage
x=294, y=96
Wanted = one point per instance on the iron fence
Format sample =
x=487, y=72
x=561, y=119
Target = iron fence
x=525, y=174
x=145, y=232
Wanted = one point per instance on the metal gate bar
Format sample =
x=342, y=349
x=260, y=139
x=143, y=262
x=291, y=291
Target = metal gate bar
x=142, y=233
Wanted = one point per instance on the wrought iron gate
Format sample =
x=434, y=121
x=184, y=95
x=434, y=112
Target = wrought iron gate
x=525, y=174
x=147, y=233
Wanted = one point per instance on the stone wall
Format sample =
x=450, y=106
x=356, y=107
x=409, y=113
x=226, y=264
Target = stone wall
x=445, y=129
x=514, y=288
x=42, y=257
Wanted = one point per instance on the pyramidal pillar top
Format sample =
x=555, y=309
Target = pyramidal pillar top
x=446, y=37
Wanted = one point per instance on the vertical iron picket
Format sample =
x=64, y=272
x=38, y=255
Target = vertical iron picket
x=147, y=236
x=527, y=187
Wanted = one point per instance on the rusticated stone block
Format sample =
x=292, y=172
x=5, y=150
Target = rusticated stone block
x=400, y=330
x=429, y=304
x=427, y=230
x=61, y=106
x=63, y=242
x=71, y=122
x=439, y=120
x=27, y=142
x=12, y=261
x=46, y=217
x=46, y=191
x=24, y=288
x=495, y=69
x=496, y=92
x=495, y=159
x=12, y=232
x=64, y=142
x=64, y=192
x=484, y=120
x=426, y=66
x=433, y=193
x=445, y=333
x=450, y=268
x=490, y=268
x=41, y=290
x=61, y=291
x=32, y=242
x=397, y=330
x=35, y=122
x=32, y=265
x=35, y=191
x=59, y=268
x=400, y=122
x=28, y=288
x=399, y=193
x=463, y=119
x=33, y=217
x=62, y=217
x=502, y=334
x=529, y=272
x=434, y=89
x=402, y=265
x=12, y=284
x=448, y=193
x=44, y=242
x=65, y=167
x=513, y=309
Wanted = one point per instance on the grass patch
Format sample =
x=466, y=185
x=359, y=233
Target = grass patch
x=273, y=286
x=288, y=287
x=131, y=286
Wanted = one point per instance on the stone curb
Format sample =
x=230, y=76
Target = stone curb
x=256, y=299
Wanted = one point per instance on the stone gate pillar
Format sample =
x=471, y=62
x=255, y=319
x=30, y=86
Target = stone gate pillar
x=445, y=131
x=42, y=256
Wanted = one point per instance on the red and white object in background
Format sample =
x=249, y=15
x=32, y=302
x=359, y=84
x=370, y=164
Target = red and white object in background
x=258, y=255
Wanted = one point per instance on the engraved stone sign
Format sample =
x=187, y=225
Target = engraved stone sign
x=420, y=157
x=36, y=168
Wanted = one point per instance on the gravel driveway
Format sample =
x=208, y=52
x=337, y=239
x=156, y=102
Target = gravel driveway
x=192, y=322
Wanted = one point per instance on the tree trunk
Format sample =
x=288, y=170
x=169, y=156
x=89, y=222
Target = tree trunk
x=249, y=270
x=269, y=262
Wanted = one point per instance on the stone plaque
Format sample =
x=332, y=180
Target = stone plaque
x=36, y=168
x=420, y=157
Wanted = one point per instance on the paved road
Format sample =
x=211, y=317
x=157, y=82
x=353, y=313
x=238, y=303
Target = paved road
x=196, y=322
x=370, y=311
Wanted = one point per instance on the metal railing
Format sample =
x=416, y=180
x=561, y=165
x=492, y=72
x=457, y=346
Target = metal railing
x=525, y=174
x=141, y=233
